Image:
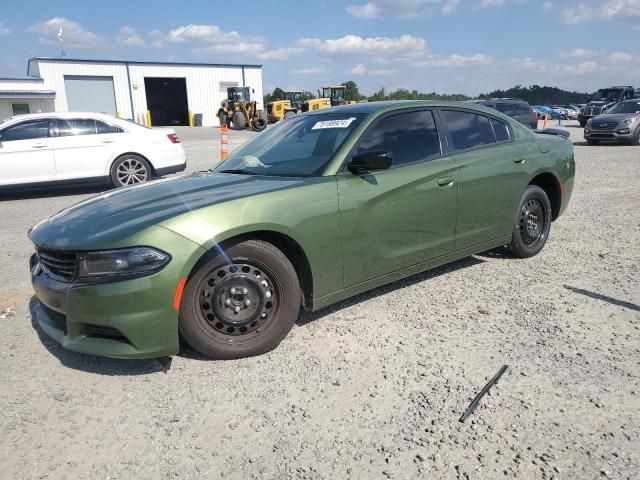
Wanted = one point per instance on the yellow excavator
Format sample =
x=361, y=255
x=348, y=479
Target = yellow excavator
x=329, y=97
x=240, y=111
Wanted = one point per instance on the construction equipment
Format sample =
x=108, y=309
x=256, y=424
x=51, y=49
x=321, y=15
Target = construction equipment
x=291, y=105
x=336, y=94
x=240, y=111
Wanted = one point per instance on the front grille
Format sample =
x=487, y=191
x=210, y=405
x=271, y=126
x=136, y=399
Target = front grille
x=604, y=125
x=60, y=263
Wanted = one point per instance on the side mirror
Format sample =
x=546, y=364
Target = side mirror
x=370, y=161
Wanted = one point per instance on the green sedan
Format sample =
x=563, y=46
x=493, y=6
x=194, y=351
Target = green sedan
x=318, y=208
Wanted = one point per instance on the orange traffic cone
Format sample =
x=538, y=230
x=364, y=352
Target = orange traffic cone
x=544, y=125
x=224, y=142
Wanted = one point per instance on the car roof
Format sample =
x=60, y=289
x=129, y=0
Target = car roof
x=35, y=116
x=375, y=107
x=499, y=100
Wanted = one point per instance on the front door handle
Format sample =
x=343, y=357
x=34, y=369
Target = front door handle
x=519, y=159
x=39, y=145
x=445, y=181
x=107, y=140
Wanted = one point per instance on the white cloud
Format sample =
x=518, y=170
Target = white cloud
x=579, y=14
x=312, y=71
x=578, y=53
x=212, y=40
x=368, y=10
x=74, y=34
x=450, y=6
x=128, y=36
x=208, y=33
x=455, y=60
x=358, y=70
x=240, y=48
x=4, y=31
x=547, y=6
x=281, y=53
x=376, y=46
x=382, y=72
x=622, y=8
x=157, y=39
x=620, y=57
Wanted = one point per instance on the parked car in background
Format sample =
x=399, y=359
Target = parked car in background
x=54, y=148
x=514, y=108
x=603, y=99
x=571, y=111
x=546, y=111
x=620, y=124
x=316, y=209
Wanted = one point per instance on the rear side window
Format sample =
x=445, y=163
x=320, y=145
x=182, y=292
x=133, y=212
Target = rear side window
x=468, y=130
x=522, y=109
x=506, y=108
x=501, y=130
x=409, y=136
x=102, y=127
x=26, y=131
x=68, y=127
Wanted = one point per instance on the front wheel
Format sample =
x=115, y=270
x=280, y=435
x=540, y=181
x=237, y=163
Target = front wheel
x=240, y=303
x=532, y=223
x=636, y=137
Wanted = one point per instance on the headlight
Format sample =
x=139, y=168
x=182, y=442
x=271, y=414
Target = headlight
x=627, y=121
x=589, y=122
x=128, y=261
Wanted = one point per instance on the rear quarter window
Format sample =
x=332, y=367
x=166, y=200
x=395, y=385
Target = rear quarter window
x=468, y=130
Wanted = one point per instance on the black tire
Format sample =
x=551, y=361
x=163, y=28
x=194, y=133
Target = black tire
x=238, y=122
x=636, y=138
x=215, y=319
x=532, y=223
x=263, y=115
x=582, y=124
x=593, y=142
x=259, y=124
x=130, y=169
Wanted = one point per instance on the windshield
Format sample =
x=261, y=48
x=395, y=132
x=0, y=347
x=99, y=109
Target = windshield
x=608, y=94
x=625, y=107
x=298, y=147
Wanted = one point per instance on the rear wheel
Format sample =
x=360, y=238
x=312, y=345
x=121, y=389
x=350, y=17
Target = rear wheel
x=129, y=170
x=223, y=117
x=259, y=124
x=240, y=303
x=582, y=124
x=532, y=223
x=238, y=122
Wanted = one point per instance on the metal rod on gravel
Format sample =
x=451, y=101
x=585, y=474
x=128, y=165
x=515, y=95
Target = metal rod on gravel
x=476, y=401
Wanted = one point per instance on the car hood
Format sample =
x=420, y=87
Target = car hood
x=615, y=116
x=114, y=215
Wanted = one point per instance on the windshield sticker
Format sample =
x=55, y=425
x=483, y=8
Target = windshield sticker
x=334, y=123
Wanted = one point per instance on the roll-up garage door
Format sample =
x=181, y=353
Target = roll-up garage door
x=90, y=94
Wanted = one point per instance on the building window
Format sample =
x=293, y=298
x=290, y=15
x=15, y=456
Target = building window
x=20, y=108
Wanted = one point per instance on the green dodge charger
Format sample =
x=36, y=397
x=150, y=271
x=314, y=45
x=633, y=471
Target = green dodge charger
x=316, y=209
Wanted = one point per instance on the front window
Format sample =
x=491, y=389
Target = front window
x=625, y=107
x=31, y=130
x=302, y=146
x=607, y=95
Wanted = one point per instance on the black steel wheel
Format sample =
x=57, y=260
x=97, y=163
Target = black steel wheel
x=240, y=303
x=532, y=223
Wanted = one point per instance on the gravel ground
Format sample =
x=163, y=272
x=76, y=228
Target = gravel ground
x=372, y=387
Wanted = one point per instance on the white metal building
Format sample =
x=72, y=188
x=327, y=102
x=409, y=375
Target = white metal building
x=171, y=92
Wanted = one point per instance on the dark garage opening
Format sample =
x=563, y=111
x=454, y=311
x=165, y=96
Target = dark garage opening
x=167, y=101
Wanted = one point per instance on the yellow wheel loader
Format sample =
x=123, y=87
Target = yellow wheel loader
x=291, y=105
x=240, y=112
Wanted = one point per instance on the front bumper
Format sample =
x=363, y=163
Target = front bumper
x=621, y=134
x=122, y=319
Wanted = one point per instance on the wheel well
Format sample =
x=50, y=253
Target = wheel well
x=287, y=245
x=550, y=184
x=153, y=170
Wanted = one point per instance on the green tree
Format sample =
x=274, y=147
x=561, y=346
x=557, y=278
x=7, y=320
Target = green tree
x=352, y=92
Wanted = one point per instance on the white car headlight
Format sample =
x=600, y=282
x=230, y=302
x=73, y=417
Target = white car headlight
x=627, y=121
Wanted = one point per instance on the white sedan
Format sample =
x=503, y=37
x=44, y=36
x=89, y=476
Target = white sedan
x=46, y=148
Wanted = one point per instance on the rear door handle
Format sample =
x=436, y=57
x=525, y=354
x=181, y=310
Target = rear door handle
x=107, y=140
x=39, y=145
x=445, y=181
x=519, y=159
